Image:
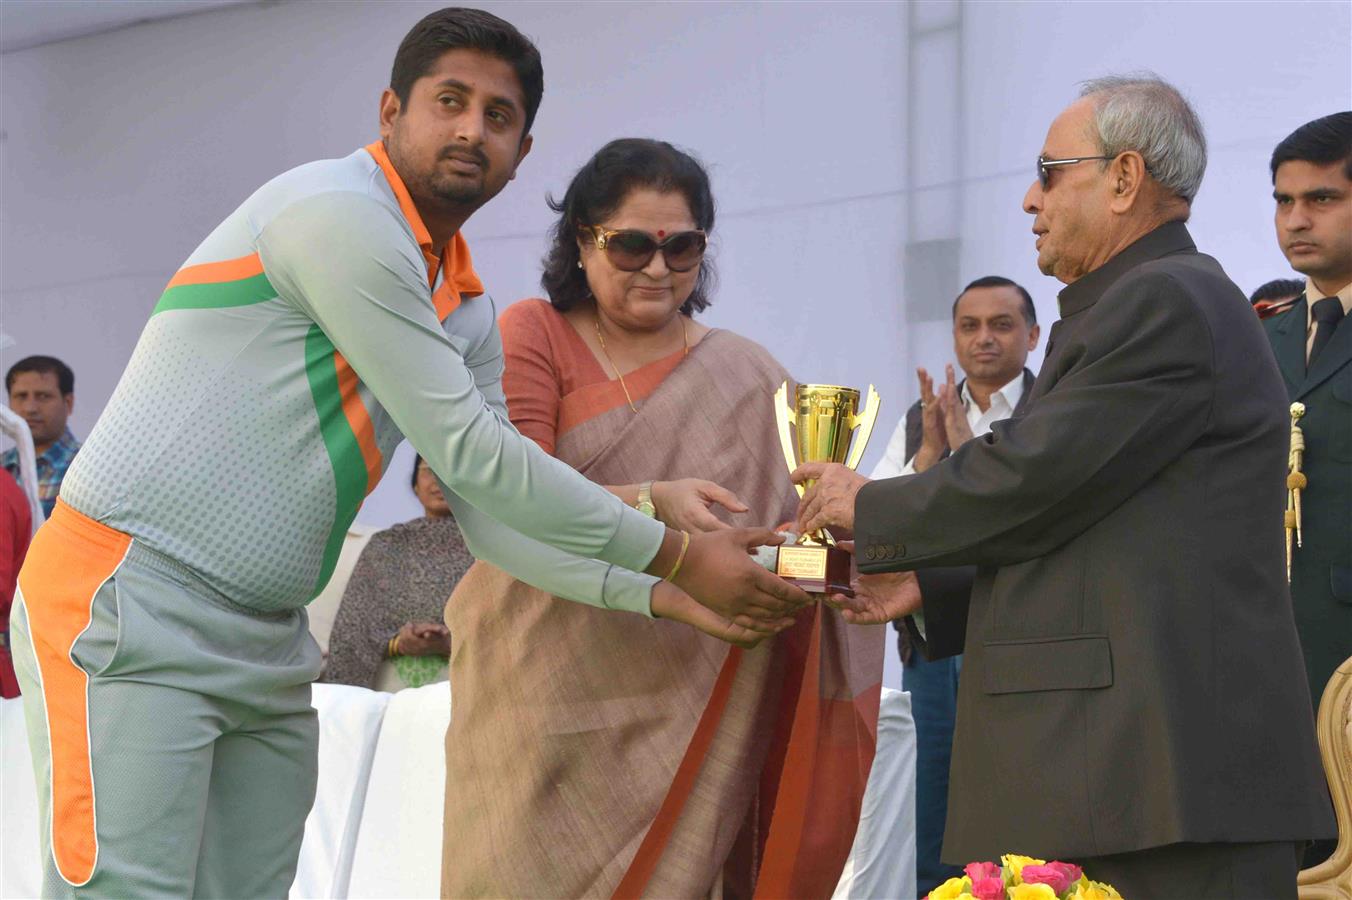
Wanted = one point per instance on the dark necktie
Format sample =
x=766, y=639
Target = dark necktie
x=1327, y=313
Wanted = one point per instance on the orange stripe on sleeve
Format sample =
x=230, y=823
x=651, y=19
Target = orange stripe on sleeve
x=216, y=272
x=70, y=559
x=359, y=419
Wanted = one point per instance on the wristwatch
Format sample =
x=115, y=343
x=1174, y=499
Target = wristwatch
x=645, y=500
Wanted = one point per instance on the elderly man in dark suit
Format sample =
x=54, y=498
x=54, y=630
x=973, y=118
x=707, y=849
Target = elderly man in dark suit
x=1132, y=695
x=994, y=329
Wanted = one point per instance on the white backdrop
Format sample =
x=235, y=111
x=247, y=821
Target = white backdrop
x=836, y=134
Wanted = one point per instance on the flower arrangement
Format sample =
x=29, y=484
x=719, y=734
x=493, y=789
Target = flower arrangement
x=1023, y=878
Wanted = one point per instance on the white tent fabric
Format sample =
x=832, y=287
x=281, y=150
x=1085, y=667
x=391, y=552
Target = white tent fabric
x=375, y=829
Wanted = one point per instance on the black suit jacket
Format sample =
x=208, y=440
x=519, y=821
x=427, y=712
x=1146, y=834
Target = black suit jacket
x=1132, y=674
x=1321, y=567
x=941, y=582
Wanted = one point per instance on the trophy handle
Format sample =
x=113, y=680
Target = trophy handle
x=864, y=421
x=784, y=412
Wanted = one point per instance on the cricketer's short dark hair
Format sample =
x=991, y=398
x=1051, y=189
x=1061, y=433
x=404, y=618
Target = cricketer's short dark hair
x=600, y=187
x=1278, y=289
x=1323, y=141
x=988, y=281
x=461, y=28
x=65, y=378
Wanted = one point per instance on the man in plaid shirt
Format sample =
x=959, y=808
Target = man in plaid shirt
x=42, y=390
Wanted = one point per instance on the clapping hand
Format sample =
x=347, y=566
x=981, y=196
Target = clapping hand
x=934, y=440
x=956, y=427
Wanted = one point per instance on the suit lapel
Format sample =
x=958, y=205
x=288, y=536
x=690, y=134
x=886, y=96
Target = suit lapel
x=1028, y=380
x=1288, y=345
x=1336, y=354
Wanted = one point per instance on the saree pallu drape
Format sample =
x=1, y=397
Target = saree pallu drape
x=595, y=753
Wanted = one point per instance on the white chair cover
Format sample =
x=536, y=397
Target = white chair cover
x=349, y=726
x=882, y=860
x=20, y=871
x=399, y=846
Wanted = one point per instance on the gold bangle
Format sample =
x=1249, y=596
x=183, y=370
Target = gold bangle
x=685, y=545
x=392, y=648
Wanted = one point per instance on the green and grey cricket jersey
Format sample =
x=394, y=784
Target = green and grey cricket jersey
x=309, y=333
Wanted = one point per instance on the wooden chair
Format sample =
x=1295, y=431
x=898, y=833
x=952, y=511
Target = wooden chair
x=1332, y=879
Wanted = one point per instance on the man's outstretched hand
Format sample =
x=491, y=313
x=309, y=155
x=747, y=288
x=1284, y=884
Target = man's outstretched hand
x=670, y=602
x=878, y=598
x=720, y=574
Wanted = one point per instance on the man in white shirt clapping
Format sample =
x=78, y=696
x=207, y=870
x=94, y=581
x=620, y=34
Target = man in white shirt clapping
x=994, y=329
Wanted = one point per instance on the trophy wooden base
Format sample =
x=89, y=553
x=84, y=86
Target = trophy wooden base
x=816, y=568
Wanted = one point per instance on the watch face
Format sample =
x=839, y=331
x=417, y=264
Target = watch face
x=646, y=507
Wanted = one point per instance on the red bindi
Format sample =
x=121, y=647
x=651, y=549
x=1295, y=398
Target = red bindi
x=661, y=233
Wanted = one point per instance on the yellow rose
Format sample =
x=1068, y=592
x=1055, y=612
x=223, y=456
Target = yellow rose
x=1015, y=864
x=1032, y=892
x=1093, y=890
x=951, y=889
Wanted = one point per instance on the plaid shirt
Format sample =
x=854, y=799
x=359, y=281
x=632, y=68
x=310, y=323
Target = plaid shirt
x=52, y=464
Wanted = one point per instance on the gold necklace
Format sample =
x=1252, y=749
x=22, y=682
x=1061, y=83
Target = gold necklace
x=685, y=340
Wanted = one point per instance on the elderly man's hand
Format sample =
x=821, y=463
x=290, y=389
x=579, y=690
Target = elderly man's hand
x=878, y=598
x=829, y=502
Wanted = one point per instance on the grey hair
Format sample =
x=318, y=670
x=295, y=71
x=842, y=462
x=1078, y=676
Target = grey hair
x=1145, y=113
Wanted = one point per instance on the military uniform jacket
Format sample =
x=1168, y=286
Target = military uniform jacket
x=1321, y=567
x=1132, y=675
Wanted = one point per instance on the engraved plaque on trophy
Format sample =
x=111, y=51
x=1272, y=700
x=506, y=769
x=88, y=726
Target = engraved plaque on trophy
x=822, y=424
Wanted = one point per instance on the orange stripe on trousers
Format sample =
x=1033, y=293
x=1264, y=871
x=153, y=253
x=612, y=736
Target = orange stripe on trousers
x=70, y=559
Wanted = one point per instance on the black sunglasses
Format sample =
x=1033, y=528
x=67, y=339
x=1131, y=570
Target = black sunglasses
x=1044, y=166
x=630, y=250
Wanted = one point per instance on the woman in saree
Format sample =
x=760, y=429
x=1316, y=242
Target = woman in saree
x=591, y=754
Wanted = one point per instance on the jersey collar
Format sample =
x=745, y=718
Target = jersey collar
x=459, y=281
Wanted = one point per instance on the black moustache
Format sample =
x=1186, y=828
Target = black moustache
x=476, y=155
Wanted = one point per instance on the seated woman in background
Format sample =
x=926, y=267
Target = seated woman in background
x=392, y=606
x=593, y=754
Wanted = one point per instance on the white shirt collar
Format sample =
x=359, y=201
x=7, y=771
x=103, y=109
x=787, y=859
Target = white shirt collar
x=1010, y=393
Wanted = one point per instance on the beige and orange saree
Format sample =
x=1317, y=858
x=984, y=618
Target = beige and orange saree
x=594, y=753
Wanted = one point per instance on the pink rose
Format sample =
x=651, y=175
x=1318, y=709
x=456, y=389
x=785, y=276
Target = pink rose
x=1058, y=876
x=978, y=870
x=992, y=888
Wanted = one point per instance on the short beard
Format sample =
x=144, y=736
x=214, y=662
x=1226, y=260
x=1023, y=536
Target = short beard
x=457, y=192
x=449, y=191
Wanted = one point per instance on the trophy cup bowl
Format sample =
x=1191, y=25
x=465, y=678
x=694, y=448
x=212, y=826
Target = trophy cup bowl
x=823, y=424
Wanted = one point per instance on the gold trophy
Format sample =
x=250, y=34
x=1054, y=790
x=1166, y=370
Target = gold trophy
x=823, y=417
